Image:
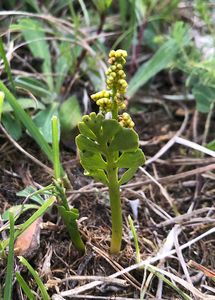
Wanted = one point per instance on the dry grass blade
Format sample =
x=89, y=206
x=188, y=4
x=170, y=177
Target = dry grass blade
x=181, y=258
x=58, y=297
x=172, y=141
x=187, y=216
x=206, y=271
x=185, y=284
x=163, y=191
x=194, y=146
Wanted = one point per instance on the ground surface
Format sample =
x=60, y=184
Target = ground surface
x=178, y=198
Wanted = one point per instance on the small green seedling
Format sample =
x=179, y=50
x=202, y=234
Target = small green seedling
x=135, y=237
x=69, y=215
x=107, y=146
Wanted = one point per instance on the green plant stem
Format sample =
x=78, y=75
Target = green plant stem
x=55, y=148
x=10, y=261
x=136, y=244
x=41, y=286
x=6, y=65
x=1, y=103
x=27, y=121
x=115, y=106
x=116, y=210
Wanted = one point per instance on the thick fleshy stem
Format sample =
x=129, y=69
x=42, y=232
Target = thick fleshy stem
x=115, y=204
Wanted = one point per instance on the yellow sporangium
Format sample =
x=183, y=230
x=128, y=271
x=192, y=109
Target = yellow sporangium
x=126, y=121
x=112, y=99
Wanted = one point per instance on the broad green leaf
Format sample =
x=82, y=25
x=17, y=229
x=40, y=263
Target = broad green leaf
x=84, y=129
x=25, y=287
x=28, y=190
x=86, y=145
x=109, y=129
x=125, y=140
x=109, y=138
x=33, y=32
x=35, y=86
x=93, y=162
x=127, y=175
x=70, y=114
x=12, y=125
x=25, y=104
x=94, y=122
x=43, y=121
x=211, y=145
x=161, y=60
x=70, y=219
x=17, y=209
x=98, y=175
x=102, y=5
x=204, y=96
x=131, y=159
x=63, y=64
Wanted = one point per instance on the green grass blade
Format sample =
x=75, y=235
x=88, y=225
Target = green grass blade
x=27, y=122
x=85, y=13
x=26, y=289
x=39, y=282
x=33, y=218
x=55, y=148
x=9, y=273
x=136, y=244
x=1, y=103
x=152, y=269
x=6, y=65
x=161, y=60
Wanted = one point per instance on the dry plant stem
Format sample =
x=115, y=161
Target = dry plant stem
x=207, y=124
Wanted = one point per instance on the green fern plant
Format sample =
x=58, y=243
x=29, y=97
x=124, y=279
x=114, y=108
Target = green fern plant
x=108, y=145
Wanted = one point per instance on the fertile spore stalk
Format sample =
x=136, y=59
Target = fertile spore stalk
x=106, y=145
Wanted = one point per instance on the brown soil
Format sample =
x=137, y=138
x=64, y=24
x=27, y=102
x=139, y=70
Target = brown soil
x=155, y=127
